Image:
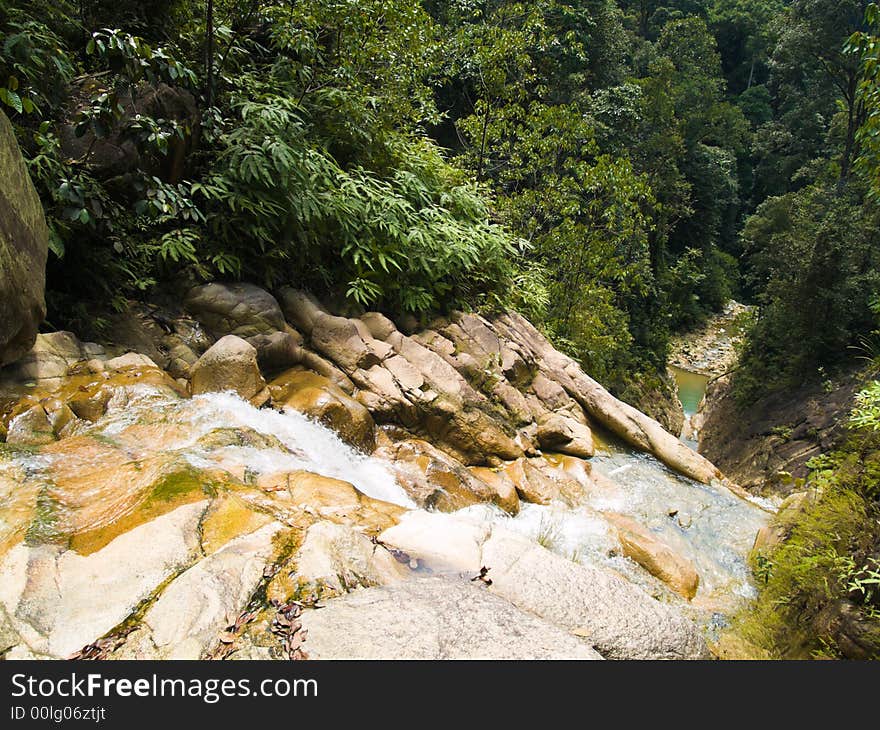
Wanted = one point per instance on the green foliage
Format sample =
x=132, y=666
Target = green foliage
x=814, y=255
x=818, y=590
x=35, y=63
x=865, y=45
x=866, y=414
x=415, y=238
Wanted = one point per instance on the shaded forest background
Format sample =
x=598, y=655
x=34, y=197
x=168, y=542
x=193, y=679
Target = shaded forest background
x=615, y=170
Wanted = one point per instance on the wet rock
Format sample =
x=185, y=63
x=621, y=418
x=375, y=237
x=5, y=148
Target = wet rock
x=504, y=489
x=537, y=483
x=24, y=247
x=230, y=364
x=318, y=398
x=61, y=417
x=332, y=499
x=442, y=543
x=618, y=619
x=434, y=618
x=31, y=427
x=659, y=559
x=229, y=516
x=557, y=432
x=433, y=478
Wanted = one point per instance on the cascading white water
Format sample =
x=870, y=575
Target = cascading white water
x=707, y=524
x=311, y=446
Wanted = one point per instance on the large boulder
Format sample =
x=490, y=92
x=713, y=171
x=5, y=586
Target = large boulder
x=229, y=364
x=659, y=559
x=249, y=312
x=558, y=432
x=24, y=246
x=539, y=482
x=435, y=479
x=50, y=358
x=434, y=618
x=616, y=617
x=242, y=309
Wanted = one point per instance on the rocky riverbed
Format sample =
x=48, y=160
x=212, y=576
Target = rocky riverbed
x=253, y=476
x=711, y=348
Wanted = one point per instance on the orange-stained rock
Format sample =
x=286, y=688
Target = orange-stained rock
x=331, y=499
x=434, y=478
x=648, y=550
x=320, y=399
x=538, y=482
x=501, y=484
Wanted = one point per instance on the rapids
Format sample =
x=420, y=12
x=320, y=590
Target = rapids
x=707, y=524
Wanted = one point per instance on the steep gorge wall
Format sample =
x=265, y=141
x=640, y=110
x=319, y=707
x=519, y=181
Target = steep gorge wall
x=766, y=445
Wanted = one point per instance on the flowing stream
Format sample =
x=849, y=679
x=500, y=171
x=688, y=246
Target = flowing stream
x=691, y=389
x=707, y=524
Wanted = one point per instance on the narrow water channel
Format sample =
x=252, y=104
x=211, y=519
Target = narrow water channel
x=691, y=388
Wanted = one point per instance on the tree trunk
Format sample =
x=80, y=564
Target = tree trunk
x=483, y=141
x=209, y=53
x=852, y=126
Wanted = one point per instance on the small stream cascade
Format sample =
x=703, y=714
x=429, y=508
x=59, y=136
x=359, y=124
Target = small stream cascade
x=691, y=389
x=705, y=523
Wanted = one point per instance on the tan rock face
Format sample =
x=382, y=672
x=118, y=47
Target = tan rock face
x=332, y=499
x=433, y=478
x=339, y=558
x=320, y=399
x=557, y=432
x=435, y=618
x=614, y=616
x=501, y=484
x=540, y=483
x=241, y=309
x=655, y=556
x=230, y=364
